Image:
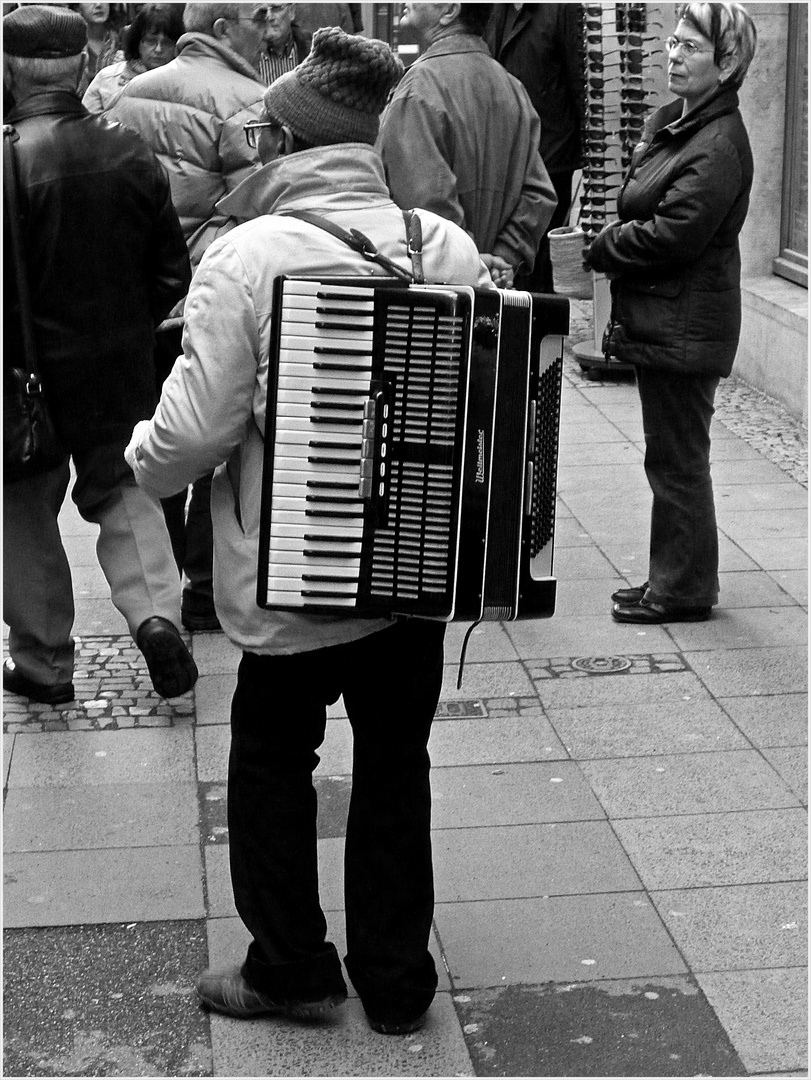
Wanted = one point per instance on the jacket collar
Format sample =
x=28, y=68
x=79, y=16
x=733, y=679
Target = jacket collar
x=668, y=121
x=193, y=45
x=52, y=101
x=338, y=177
x=456, y=43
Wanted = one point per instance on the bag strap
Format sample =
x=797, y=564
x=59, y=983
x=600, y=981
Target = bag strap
x=13, y=220
x=356, y=240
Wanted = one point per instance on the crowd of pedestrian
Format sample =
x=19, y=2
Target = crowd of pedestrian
x=162, y=153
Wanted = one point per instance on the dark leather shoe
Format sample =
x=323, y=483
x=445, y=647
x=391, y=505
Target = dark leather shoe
x=629, y=596
x=647, y=613
x=228, y=992
x=17, y=683
x=397, y=1027
x=171, y=668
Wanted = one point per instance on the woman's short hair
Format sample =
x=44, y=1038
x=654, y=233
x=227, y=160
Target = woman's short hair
x=730, y=29
x=153, y=18
x=474, y=17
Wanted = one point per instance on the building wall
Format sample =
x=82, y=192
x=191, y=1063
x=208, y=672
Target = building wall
x=773, y=353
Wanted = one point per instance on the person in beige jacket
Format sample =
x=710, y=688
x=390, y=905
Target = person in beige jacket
x=315, y=138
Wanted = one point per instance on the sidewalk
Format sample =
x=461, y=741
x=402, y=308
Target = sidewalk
x=619, y=816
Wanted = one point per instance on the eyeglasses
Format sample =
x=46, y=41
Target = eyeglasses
x=260, y=15
x=252, y=129
x=689, y=48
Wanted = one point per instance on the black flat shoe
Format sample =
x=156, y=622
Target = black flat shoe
x=171, y=668
x=229, y=993
x=17, y=683
x=629, y=596
x=646, y=613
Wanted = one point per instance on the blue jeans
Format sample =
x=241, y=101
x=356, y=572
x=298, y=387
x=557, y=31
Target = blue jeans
x=676, y=413
x=391, y=682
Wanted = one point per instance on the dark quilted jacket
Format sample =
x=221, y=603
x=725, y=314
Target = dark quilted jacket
x=673, y=256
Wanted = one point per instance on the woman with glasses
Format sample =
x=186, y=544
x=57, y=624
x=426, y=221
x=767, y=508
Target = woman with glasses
x=675, y=268
x=149, y=42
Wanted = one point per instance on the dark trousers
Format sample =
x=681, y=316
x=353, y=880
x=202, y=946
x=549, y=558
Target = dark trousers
x=391, y=682
x=189, y=527
x=540, y=278
x=676, y=413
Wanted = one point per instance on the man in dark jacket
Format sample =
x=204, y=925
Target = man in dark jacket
x=106, y=261
x=538, y=44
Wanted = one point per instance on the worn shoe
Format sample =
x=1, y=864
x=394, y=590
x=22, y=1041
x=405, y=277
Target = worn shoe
x=171, y=668
x=646, y=613
x=397, y=1027
x=629, y=596
x=228, y=992
x=16, y=683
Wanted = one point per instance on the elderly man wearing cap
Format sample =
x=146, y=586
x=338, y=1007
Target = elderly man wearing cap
x=316, y=141
x=106, y=262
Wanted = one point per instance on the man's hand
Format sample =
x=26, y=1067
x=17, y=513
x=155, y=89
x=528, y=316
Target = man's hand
x=132, y=453
x=500, y=271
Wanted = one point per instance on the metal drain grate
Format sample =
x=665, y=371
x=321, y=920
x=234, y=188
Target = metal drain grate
x=459, y=710
x=602, y=665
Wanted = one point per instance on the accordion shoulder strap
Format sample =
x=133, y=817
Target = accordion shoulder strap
x=364, y=246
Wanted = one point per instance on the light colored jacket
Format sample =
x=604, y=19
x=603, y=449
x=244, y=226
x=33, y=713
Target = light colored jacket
x=212, y=409
x=191, y=113
x=108, y=83
x=460, y=137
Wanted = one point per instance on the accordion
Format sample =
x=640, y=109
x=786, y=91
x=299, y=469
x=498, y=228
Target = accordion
x=411, y=450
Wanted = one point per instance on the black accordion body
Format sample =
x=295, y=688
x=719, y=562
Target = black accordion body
x=411, y=450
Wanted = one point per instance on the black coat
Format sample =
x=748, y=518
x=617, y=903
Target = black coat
x=106, y=263
x=541, y=49
x=674, y=254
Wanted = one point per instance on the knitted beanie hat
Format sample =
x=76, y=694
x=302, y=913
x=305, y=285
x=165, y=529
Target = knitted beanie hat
x=338, y=92
x=44, y=31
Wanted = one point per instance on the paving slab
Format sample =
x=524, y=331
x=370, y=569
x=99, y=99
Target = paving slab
x=792, y=767
x=612, y=453
x=94, y=616
x=213, y=745
x=731, y=556
x=619, y=1027
x=637, y=730
x=717, y=849
x=589, y=597
x=735, y=927
x=764, y=524
x=618, y=689
x=569, y=533
x=743, y=628
x=794, y=582
x=744, y=672
x=342, y=1045
x=488, y=642
x=106, y=1001
x=765, y=1013
x=558, y=939
x=582, y=563
x=530, y=860
x=687, y=784
x=212, y=698
x=734, y=462
x=585, y=635
x=515, y=794
x=484, y=680
x=8, y=750
x=100, y=816
x=67, y=888
x=103, y=757
x=775, y=553
x=751, y=589
x=493, y=740
x=770, y=720
x=759, y=495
